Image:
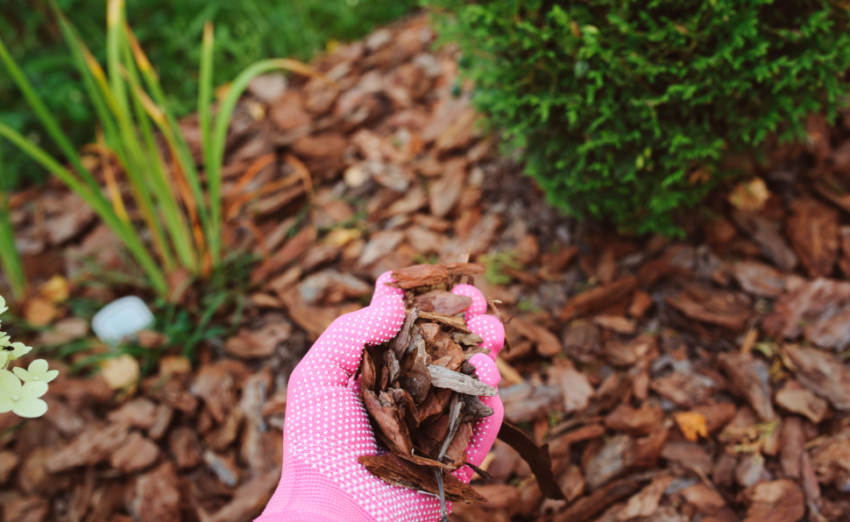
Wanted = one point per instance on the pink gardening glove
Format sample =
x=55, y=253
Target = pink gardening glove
x=327, y=427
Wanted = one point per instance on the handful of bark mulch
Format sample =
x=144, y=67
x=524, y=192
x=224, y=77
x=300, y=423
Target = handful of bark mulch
x=422, y=393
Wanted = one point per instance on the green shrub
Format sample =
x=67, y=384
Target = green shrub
x=247, y=31
x=623, y=108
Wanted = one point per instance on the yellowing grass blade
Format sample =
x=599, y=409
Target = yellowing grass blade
x=139, y=55
x=106, y=155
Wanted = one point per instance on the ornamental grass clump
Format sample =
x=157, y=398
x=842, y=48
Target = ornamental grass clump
x=21, y=390
x=179, y=202
x=623, y=109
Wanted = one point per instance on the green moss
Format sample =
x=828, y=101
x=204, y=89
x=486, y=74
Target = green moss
x=494, y=266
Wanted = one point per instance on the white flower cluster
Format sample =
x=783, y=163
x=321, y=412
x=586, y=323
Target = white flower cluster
x=21, y=391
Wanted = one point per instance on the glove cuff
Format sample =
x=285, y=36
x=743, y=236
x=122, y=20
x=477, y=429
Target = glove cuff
x=297, y=516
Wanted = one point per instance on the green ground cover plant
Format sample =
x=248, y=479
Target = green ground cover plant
x=623, y=109
x=247, y=31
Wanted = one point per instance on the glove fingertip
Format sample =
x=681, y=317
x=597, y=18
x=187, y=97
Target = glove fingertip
x=479, y=303
x=464, y=474
x=381, y=288
x=491, y=329
x=485, y=369
x=386, y=315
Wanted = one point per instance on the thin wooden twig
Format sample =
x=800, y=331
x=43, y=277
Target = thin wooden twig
x=444, y=512
x=454, y=423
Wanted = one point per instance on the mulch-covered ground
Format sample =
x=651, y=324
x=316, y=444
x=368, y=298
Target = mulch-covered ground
x=698, y=380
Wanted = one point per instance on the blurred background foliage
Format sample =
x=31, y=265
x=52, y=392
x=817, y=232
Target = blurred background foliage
x=170, y=32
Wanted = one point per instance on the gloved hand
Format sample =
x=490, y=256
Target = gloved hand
x=327, y=428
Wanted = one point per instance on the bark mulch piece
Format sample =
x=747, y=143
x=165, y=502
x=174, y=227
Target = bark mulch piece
x=422, y=394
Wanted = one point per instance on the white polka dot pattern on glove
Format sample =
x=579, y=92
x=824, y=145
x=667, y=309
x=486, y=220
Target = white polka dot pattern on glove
x=327, y=427
x=479, y=304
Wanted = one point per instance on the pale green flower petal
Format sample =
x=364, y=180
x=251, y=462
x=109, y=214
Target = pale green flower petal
x=30, y=408
x=4, y=340
x=33, y=390
x=6, y=404
x=22, y=374
x=37, y=372
x=19, y=350
x=3, y=306
x=50, y=375
x=9, y=384
x=38, y=367
x=4, y=358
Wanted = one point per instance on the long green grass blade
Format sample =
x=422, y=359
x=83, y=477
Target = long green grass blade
x=175, y=221
x=98, y=91
x=44, y=115
x=114, y=23
x=222, y=122
x=171, y=130
x=76, y=47
x=97, y=87
x=135, y=161
x=10, y=261
x=135, y=169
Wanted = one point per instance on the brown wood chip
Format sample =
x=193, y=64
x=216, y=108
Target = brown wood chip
x=448, y=320
x=400, y=342
x=598, y=298
x=470, y=340
x=445, y=378
x=537, y=457
x=417, y=380
x=367, y=372
x=420, y=275
x=383, y=409
x=464, y=269
x=393, y=470
x=586, y=508
x=455, y=407
x=474, y=409
x=442, y=302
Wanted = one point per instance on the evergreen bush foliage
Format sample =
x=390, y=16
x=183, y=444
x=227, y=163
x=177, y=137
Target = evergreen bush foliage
x=623, y=108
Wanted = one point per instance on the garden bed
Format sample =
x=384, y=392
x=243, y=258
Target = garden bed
x=701, y=379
